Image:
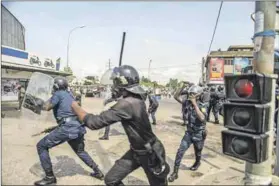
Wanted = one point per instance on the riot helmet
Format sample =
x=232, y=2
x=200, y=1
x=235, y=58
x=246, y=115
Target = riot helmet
x=212, y=88
x=60, y=83
x=126, y=78
x=220, y=88
x=195, y=90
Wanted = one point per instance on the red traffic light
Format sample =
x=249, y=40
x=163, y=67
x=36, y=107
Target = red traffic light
x=244, y=88
x=248, y=88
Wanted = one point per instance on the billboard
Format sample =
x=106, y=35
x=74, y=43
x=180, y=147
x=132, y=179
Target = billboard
x=25, y=58
x=216, y=71
x=9, y=89
x=239, y=64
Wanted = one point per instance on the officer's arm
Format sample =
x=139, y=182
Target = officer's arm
x=201, y=111
x=52, y=102
x=177, y=95
x=119, y=112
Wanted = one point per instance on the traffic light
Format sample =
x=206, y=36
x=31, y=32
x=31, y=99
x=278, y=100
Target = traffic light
x=246, y=115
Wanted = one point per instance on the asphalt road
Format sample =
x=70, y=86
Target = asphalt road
x=20, y=163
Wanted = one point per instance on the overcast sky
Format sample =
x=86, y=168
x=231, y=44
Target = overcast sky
x=175, y=35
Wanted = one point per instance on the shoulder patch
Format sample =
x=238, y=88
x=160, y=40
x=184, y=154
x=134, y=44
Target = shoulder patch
x=203, y=109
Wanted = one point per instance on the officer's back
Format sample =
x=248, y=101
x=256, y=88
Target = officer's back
x=136, y=121
x=62, y=100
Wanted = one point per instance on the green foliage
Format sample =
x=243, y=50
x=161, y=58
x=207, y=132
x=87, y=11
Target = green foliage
x=68, y=69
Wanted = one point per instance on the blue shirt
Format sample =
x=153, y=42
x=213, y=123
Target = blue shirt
x=62, y=101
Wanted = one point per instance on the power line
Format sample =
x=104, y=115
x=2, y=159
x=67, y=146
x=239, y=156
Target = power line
x=215, y=27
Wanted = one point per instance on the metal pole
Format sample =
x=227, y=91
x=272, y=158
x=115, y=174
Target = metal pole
x=68, y=45
x=122, y=48
x=261, y=174
x=149, y=69
x=276, y=166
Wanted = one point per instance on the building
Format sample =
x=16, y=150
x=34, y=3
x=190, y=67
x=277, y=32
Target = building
x=220, y=63
x=17, y=64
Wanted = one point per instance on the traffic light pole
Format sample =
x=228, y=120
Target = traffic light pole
x=261, y=174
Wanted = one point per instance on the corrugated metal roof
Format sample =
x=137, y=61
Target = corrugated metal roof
x=32, y=69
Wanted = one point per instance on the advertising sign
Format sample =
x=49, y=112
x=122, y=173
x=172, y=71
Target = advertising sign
x=9, y=89
x=239, y=64
x=21, y=57
x=216, y=71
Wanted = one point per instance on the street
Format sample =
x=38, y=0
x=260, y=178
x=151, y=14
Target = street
x=20, y=162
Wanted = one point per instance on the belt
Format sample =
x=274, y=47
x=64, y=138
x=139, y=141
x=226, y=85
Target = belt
x=67, y=119
x=147, y=146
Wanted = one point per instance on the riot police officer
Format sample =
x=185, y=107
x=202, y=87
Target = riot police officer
x=146, y=150
x=222, y=99
x=113, y=97
x=69, y=129
x=181, y=96
x=213, y=104
x=196, y=131
x=153, y=106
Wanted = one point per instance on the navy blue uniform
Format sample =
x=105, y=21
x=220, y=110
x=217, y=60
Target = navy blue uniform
x=69, y=130
x=185, y=105
x=195, y=134
x=214, y=105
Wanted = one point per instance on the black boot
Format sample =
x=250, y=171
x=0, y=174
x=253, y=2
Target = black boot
x=174, y=175
x=48, y=180
x=97, y=174
x=216, y=121
x=154, y=123
x=104, y=138
x=196, y=164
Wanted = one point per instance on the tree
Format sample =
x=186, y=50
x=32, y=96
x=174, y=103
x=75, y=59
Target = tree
x=173, y=83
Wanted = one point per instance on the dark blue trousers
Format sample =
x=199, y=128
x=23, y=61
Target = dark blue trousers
x=197, y=139
x=74, y=135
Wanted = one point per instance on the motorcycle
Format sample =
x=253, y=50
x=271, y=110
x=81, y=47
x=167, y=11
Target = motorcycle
x=48, y=62
x=35, y=59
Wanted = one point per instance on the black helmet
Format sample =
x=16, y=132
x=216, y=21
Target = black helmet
x=220, y=88
x=212, y=88
x=126, y=77
x=60, y=83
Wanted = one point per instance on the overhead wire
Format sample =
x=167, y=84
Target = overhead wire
x=217, y=20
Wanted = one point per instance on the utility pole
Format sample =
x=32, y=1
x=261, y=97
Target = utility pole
x=276, y=166
x=109, y=64
x=261, y=174
x=122, y=48
x=149, y=69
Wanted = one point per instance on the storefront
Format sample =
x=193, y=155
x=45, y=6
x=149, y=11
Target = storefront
x=17, y=68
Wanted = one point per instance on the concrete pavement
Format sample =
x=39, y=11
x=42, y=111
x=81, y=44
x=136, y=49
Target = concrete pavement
x=20, y=162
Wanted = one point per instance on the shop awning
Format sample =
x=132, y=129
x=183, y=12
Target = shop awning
x=7, y=65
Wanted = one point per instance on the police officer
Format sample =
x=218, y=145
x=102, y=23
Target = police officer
x=206, y=96
x=213, y=104
x=222, y=99
x=78, y=97
x=153, y=106
x=181, y=96
x=113, y=97
x=196, y=131
x=146, y=150
x=69, y=129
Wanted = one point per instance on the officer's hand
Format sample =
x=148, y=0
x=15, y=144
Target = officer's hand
x=193, y=99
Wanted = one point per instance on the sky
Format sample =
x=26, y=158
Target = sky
x=174, y=35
